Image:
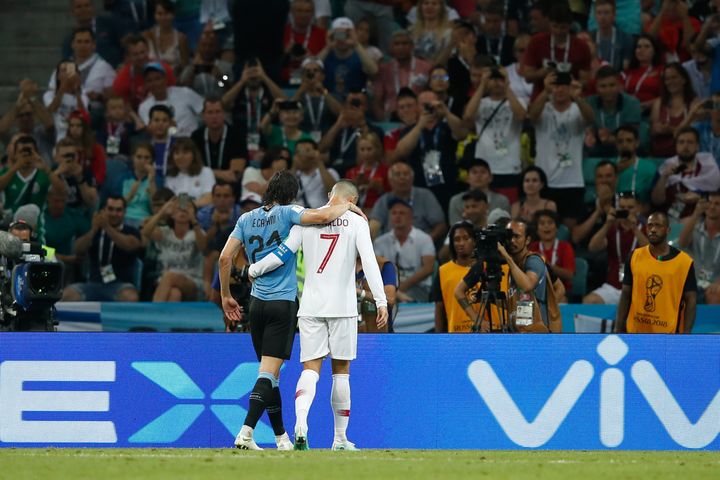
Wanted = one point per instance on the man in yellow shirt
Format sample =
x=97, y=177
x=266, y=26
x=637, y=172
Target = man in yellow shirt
x=659, y=292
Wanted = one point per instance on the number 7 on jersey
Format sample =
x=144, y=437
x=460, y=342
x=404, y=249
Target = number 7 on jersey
x=333, y=237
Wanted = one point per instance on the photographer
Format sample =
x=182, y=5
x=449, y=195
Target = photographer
x=321, y=108
x=621, y=233
x=528, y=297
x=27, y=177
x=429, y=147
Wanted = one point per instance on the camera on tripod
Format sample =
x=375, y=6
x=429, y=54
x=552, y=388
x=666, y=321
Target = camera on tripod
x=486, y=253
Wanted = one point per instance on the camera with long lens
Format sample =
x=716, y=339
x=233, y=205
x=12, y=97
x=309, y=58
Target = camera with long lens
x=486, y=241
x=29, y=287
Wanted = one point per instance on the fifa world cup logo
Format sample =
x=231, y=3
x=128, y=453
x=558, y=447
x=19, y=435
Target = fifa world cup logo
x=653, y=285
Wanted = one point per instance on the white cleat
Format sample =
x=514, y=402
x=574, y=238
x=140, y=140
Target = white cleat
x=244, y=442
x=339, y=445
x=284, y=443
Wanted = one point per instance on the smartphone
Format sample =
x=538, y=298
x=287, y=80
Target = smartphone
x=622, y=214
x=356, y=102
x=428, y=108
x=340, y=35
x=71, y=68
x=679, y=169
x=183, y=200
x=253, y=62
x=288, y=105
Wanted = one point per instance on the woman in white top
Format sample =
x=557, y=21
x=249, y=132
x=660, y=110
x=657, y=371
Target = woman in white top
x=187, y=174
x=432, y=30
x=180, y=246
x=166, y=43
x=66, y=97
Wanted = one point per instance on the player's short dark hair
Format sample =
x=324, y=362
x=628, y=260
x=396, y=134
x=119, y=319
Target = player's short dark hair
x=688, y=129
x=631, y=129
x=282, y=189
x=160, y=108
x=606, y=72
x=461, y=225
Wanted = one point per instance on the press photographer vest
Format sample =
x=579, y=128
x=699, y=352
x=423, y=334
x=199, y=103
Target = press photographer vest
x=554, y=323
x=656, y=303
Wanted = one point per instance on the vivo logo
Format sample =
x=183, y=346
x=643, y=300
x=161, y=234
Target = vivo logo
x=16, y=399
x=612, y=350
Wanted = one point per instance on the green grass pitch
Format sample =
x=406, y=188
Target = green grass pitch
x=231, y=464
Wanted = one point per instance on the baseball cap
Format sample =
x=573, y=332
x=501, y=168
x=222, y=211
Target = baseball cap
x=342, y=22
x=312, y=61
x=397, y=200
x=496, y=215
x=251, y=197
x=153, y=67
x=27, y=214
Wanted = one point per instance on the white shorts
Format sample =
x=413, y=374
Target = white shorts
x=320, y=337
x=609, y=294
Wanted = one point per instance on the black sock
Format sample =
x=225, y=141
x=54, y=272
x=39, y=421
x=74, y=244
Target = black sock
x=260, y=398
x=274, y=411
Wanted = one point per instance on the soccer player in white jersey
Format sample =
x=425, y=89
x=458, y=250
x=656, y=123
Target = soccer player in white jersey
x=328, y=314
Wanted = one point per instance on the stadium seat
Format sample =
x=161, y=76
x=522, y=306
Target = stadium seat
x=563, y=233
x=579, y=281
x=674, y=235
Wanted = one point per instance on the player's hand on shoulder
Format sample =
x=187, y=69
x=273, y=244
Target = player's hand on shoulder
x=357, y=210
x=382, y=317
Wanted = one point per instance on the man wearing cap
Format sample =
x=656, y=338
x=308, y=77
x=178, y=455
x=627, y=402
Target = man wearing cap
x=347, y=64
x=321, y=108
x=130, y=82
x=561, y=114
x=479, y=178
x=403, y=70
x=428, y=216
x=412, y=251
x=184, y=102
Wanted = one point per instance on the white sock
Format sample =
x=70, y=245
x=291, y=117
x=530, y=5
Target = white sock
x=304, y=396
x=340, y=400
x=246, y=431
x=280, y=438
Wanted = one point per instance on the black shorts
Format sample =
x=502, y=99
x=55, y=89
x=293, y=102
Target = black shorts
x=570, y=201
x=272, y=327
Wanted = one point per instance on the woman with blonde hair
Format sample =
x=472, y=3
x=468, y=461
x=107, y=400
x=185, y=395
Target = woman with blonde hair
x=432, y=30
x=186, y=173
x=370, y=174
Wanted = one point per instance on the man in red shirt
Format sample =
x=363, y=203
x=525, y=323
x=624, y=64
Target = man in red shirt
x=301, y=39
x=556, y=51
x=130, y=83
x=674, y=28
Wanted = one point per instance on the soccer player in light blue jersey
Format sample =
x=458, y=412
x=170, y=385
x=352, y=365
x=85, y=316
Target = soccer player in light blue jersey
x=272, y=314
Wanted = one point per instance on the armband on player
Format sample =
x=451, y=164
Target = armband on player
x=283, y=253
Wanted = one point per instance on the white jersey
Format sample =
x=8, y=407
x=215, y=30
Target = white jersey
x=329, y=255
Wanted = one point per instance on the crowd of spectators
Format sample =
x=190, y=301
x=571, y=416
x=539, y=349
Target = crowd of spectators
x=163, y=122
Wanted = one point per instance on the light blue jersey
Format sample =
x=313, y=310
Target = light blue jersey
x=261, y=231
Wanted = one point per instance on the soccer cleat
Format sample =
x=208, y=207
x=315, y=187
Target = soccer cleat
x=283, y=442
x=301, y=442
x=244, y=442
x=339, y=445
